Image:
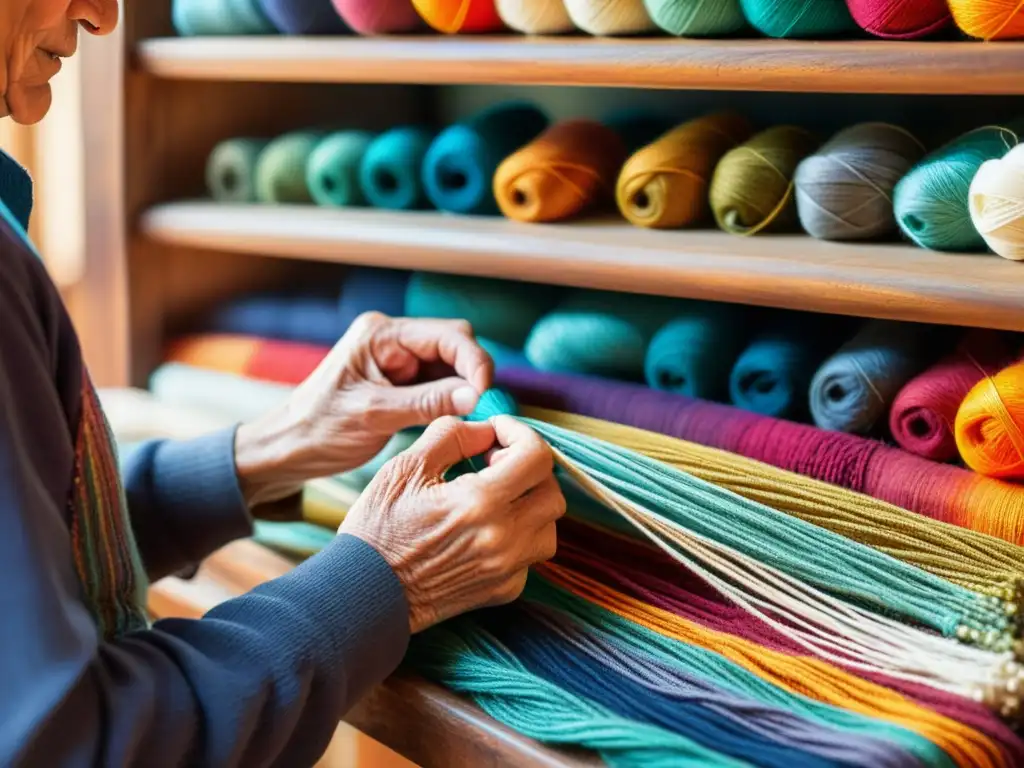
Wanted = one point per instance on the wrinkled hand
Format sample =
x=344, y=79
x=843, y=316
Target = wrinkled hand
x=385, y=375
x=467, y=543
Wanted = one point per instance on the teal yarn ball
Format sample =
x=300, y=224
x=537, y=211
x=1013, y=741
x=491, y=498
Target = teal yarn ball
x=799, y=18
x=332, y=172
x=502, y=311
x=219, y=17
x=599, y=333
x=697, y=18
x=494, y=402
x=231, y=170
x=693, y=353
x=389, y=174
x=503, y=355
x=931, y=200
x=459, y=168
x=281, y=168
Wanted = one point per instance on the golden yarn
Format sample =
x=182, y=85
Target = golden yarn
x=535, y=17
x=610, y=17
x=989, y=425
x=665, y=184
x=996, y=203
x=752, y=187
x=989, y=19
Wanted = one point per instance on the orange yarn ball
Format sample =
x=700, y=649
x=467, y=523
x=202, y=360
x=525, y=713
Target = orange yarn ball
x=989, y=19
x=990, y=425
x=455, y=16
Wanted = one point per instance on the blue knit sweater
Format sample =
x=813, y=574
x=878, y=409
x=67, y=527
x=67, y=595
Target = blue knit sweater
x=261, y=680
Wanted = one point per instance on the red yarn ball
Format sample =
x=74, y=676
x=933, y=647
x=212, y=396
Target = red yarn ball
x=900, y=19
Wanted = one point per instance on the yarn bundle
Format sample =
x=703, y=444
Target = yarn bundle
x=610, y=17
x=989, y=19
x=332, y=168
x=389, y=174
x=996, y=203
x=799, y=18
x=682, y=18
x=304, y=17
x=900, y=19
x=990, y=425
x=378, y=17
x=220, y=17
x=231, y=170
x=280, y=172
x=535, y=17
x=459, y=16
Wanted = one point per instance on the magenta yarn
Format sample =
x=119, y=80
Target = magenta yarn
x=379, y=17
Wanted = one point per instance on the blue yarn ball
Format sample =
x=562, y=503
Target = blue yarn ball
x=309, y=319
x=304, y=17
x=371, y=289
x=459, y=168
x=220, y=17
x=390, y=171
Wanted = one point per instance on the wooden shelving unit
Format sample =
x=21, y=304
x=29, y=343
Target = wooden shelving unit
x=164, y=258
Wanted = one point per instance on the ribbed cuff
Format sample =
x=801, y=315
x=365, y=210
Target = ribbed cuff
x=196, y=487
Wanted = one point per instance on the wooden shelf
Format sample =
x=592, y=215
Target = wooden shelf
x=868, y=66
x=899, y=282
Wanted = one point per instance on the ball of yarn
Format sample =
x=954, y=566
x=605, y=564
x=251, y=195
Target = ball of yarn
x=458, y=170
x=752, y=187
x=503, y=355
x=610, y=17
x=281, y=168
x=371, y=289
x=853, y=389
x=501, y=310
x=535, y=17
x=598, y=333
x=996, y=203
x=693, y=353
x=568, y=168
x=304, y=17
x=990, y=425
x=931, y=200
x=900, y=19
x=219, y=17
x=799, y=18
x=332, y=172
x=989, y=19
x=378, y=17
x=844, y=190
x=454, y=16
x=697, y=18
x=924, y=411
x=665, y=184
x=308, y=319
x=231, y=170
x=390, y=172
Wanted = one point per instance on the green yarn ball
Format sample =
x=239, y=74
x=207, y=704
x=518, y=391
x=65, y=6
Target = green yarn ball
x=501, y=310
x=696, y=18
x=931, y=200
x=332, y=172
x=281, y=168
x=231, y=170
x=799, y=18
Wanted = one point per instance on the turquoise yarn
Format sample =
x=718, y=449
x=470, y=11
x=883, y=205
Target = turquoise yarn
x=231, y=170
x=281, y=168
x=332, y=172
x=697, y=18
x=220, y=17
x=694, y=352
x=389, y=174
x=599, y=333
x=930, y=202
x=460, y=164
x=502, y=311
x=800, y=18
x=503, y=355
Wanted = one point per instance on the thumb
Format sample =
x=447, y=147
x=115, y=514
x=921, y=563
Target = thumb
x=419, y=404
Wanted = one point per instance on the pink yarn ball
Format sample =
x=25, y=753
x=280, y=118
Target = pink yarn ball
x=379, y=17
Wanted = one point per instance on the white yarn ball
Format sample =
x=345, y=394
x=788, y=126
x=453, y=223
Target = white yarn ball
x=535, y=17
x=610, y=17
x=996, y=202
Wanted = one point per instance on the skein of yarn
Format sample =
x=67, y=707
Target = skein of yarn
x=931, y=200
x=900, y=19
x=569, y=167
x=853, y=389
x=996, y=203
x=610, y=17
x=378, y=17
x=231, y=170
x=752, y=187
x=219, y=17
x=281, y=168
x=693, y=353
x=390, y=172
x=989, y=19
x=459, y=16
x=844, y=190
x=665, y=184
x=535, y=17
x=709, y=18
x=501, y=310
x=990, y=425
x=332, y=171
x=799, y=18
x=307, y=319
x=924, y=412
x=459, y=167
x=304, y=17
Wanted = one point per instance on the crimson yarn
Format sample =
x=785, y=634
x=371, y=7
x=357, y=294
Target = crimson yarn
x=379, y=17
x=900, y=19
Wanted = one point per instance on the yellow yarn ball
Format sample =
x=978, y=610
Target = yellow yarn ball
x=996, y=203
x=989, y=425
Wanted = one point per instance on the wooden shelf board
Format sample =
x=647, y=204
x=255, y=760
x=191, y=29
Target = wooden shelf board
x=862, y=66
x=894, y=281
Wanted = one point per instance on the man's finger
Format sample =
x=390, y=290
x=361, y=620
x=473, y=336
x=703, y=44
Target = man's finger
x=417, y=405
x=526, y=460
x=541, y=507
x=450, y=342
x=449, y=440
